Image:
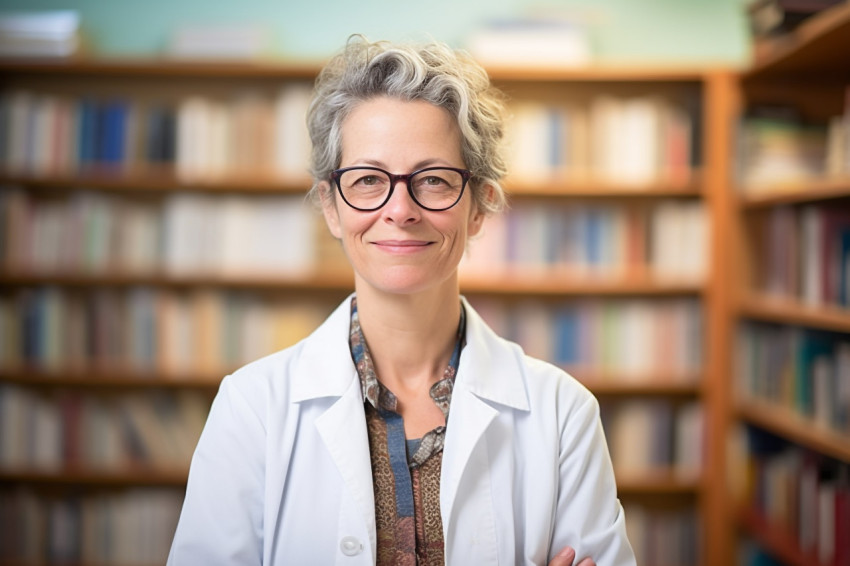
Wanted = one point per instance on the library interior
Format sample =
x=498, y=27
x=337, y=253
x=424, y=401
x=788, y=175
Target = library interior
x=677, y=239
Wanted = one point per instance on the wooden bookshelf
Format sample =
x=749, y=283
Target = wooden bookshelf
x=806, y=70
x=706, y=89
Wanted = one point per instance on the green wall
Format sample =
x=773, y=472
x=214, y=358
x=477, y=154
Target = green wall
x=657, y=31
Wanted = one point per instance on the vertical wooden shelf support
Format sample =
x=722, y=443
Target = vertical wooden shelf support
x=717, y=545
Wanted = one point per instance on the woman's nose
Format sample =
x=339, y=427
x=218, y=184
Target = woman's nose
x=401, y=208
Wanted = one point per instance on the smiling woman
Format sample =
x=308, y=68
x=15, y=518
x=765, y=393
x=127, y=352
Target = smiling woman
x=403, y=431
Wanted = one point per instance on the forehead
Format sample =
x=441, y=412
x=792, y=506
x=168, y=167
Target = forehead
x=385, y=129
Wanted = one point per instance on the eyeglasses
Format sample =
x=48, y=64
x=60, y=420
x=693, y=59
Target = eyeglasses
x=369, y=188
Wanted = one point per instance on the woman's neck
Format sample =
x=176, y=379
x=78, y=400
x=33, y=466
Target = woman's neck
x=410, y=337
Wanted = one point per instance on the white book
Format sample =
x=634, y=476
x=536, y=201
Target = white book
x=486, y=251
x=811, y=251
x=528, y=142
x=690, y=440
x=291, y=155
x=193, y=138
x=548, y=41
x=20, y=132
x=826, y=522
x=52, y=33
x=638, y=142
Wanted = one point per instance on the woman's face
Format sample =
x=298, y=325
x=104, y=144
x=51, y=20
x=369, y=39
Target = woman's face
x=401, y=247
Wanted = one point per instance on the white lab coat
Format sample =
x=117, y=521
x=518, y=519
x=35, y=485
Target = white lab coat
x=281, y=474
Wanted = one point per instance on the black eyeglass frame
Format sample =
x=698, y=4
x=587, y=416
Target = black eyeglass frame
x=465, y=174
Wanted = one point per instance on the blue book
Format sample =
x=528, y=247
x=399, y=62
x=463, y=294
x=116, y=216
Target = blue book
x=117, y=133
x=593, y=236
x=844, y=266
x=813, y=344
x=87, y=112
x=566, y=337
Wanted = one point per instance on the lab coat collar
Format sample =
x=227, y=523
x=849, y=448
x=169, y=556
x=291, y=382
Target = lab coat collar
x=487, y=369
x=325, y=367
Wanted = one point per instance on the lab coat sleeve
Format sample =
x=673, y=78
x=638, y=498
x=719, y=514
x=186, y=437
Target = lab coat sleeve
x=589, y=516
x=222, y=517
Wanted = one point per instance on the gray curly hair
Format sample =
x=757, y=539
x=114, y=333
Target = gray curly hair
x=434, y=73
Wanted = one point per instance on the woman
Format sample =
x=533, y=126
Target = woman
x=340, y=449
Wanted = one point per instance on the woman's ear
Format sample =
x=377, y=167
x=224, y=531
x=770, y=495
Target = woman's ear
x=476, y=213
x=329, y=209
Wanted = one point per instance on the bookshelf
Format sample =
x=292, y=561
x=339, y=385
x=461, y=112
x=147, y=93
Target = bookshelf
x=792, y=319
x=631, y=288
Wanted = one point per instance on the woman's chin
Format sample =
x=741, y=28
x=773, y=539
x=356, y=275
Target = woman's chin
x=405, y=280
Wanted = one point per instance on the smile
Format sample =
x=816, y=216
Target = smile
x=402, y=246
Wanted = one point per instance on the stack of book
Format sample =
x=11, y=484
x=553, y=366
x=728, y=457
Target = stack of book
x=39, y=34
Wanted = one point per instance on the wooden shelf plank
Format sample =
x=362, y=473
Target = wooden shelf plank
x=325, y=280
x=614, y=387
x=661, y=482
x=276, y=68
x=789, y=311
x=598, y=73
x=152, y=67
x=132, y=477
x=788, y=424
x=111, y=378
x=557, y=187
x=797, y=193
x=159, y=182
x=608, y=384
x=548, y=283
x=166, y=181
x=557, y=283
x=817, y=48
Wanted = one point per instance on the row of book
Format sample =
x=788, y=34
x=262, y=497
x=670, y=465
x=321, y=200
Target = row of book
x=181, y=234
x=668, y=238
x=803, y=253
x=148, y=331
x=88, y=232
x=134, y=526
x=778, y=148
x=52, y=432
x=246, y=134
x=805, y=370
x=623, y=140
x=654, y=436
x=632, y=339
x=802, y=494
x=663, y=537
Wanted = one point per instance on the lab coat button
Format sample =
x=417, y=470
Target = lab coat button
x=350, y=546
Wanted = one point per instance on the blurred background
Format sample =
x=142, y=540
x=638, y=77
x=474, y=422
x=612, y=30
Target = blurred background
x=677, y=239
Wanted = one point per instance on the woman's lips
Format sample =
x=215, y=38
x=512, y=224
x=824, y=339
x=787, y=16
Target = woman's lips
x=402, y=246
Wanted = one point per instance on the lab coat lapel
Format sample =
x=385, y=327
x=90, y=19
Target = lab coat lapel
x=468, y=420
x=325, y=371
x=490, y=380
x=343, y=430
